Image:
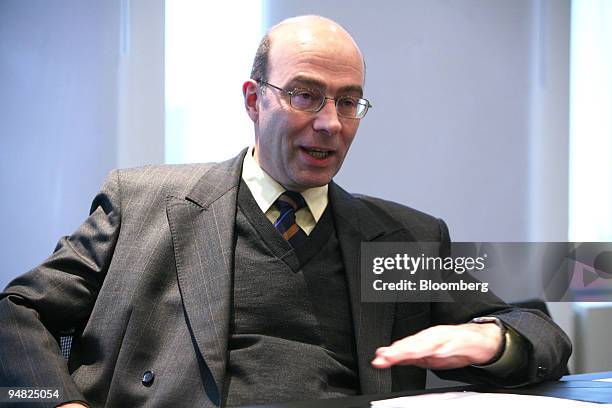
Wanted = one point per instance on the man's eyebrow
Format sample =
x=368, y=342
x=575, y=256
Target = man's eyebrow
x=301, y=80
x=309, y=82
x=351, y=89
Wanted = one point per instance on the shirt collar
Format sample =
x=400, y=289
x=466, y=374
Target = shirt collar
x=266, y=190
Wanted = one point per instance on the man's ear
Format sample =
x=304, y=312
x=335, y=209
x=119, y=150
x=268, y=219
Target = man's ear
x=249, y=90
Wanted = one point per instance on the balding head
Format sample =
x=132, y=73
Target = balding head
x=304, y=28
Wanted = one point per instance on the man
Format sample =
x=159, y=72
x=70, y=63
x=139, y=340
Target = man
x=237, y=283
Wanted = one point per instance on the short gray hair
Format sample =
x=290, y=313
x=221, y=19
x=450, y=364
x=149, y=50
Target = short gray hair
x=259, y=71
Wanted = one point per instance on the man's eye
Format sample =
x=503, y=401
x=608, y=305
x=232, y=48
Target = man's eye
x=304, y=95
x=305, y=100
x=348, y=102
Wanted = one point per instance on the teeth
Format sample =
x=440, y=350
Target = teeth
x=319, y=154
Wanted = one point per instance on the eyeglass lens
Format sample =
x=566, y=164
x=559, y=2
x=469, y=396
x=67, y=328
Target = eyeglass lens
x=348, y=106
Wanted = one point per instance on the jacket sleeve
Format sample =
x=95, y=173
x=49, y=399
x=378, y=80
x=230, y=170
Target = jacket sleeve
x=55, y=297
x=547, y=347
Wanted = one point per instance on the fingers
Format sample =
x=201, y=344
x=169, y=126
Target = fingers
x=441, y=347
x=414, y=350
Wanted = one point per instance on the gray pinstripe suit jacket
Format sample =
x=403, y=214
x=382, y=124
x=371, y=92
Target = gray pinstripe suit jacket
x=146, y=281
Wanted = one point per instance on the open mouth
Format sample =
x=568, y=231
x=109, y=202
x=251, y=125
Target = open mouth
x=318, y=153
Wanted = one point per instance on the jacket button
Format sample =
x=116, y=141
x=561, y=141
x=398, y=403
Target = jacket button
x=542, y=371
x=147, y=378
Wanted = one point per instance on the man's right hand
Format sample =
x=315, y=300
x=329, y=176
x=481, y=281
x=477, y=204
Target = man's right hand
x=444, y=347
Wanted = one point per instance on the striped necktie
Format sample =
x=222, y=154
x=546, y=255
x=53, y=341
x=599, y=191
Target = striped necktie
x=288, y=204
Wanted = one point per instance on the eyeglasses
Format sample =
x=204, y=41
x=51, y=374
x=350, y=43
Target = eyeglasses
x=311, y=100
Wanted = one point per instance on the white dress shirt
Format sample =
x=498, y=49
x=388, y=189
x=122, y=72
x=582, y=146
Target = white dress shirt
x=266, y=190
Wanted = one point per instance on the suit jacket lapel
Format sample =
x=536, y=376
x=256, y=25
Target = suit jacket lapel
x=372, y=322
x=202, y=228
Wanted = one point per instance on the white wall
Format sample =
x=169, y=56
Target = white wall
x=58, y=75
x=81, y=85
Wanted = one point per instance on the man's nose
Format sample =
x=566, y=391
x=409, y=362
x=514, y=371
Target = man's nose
x=327, y=118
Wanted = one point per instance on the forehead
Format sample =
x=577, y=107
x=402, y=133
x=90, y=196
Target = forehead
x=324, y=53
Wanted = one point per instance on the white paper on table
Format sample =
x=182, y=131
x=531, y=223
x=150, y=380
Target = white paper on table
x=470, y=399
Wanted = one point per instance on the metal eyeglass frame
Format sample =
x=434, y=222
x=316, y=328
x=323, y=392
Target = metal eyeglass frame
x=292, y=93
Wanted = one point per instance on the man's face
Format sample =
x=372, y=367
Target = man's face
x=300, y=149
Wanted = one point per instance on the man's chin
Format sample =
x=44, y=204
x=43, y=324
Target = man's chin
x=313, y=182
